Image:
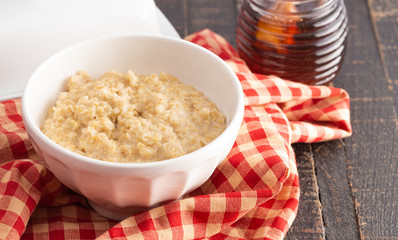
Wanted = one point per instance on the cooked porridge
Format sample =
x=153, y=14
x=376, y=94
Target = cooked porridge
x=128, y=117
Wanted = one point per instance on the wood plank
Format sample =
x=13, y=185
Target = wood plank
x=373, y=168
x=309, y=221
x=189, y=16
x=219, y=16
x=335, y=194
x=175, y=11
x=384, y=14
x=370, y=153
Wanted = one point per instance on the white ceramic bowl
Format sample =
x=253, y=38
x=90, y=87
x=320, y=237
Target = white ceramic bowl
x=117, y=190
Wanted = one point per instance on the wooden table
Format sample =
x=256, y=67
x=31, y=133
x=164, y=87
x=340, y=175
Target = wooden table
x=349, y=188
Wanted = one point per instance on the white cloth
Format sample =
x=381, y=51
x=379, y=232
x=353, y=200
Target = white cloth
x=32, y=30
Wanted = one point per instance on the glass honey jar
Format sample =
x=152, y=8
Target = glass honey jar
x=298, y=40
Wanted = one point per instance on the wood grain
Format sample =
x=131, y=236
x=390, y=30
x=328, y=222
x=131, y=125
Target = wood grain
x=219, y=16
x=370, y=153
x=384, y=14
x=309, y=221
x=176, y=13
x=334, y=191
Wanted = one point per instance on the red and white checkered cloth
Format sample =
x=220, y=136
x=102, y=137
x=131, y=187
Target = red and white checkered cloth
x=253, y=194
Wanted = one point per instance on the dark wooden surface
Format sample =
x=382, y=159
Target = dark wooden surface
x=349, y=188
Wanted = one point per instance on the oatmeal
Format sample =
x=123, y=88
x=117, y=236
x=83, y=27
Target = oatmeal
x=128, y=117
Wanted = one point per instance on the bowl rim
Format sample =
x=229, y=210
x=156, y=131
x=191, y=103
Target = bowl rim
x=236, y=118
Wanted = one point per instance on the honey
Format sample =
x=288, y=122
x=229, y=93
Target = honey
x=302, y=40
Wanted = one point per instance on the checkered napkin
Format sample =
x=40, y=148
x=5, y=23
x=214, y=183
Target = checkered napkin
x=253, y=194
